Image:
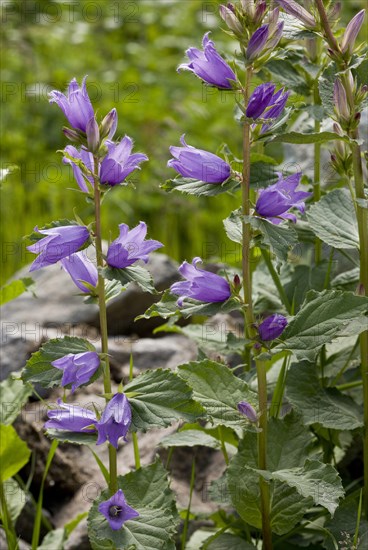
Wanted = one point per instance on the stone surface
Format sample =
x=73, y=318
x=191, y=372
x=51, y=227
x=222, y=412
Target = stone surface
x=58, y=305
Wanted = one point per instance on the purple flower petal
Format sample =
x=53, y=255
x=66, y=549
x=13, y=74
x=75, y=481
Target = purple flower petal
x=272, y=327
x=130, y=246
x=117, y=511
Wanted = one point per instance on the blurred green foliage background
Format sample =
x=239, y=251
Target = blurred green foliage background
x=130, y=51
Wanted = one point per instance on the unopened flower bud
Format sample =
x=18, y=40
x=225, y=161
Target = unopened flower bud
x=228, y=15
x=260, y=11
x=273, y=18
x=237, y=282
x=337, y=129
x=257, y=42
x=93, y=135
x=340, y=100
x=109, y=124
x=334, y=13
x=351, y=33
x=72, y=135
x=248, y=7
x=296, y=10
x=333, y=158
x=247, y=410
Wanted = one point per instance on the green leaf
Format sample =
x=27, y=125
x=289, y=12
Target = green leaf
x=288, y=444
x=303, y=279
x=315, y=480
x=333, y=219
x=285, y=72
x=15, y=498
x=233, y=226
x=133, y=274
x=325, y=406
x=161, y=398
x=168, y=307
x=225, y=541
x=297, y=138
x=209, y=337
x=14, y=453
x=38, y=368
x=77, y=438
x=14, y=289
x=322, y=317
x=219, y=391
x=279, y=238
x=344, y=522
x=190, y=438
x=54, y=540
x=262, y=174
x=326, y=87
x=13, y=395
x=200, y=188
x=147, y=491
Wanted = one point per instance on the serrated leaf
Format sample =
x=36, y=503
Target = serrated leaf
x=14, y=289
x=15, y=498
x=233, y=226
x=298, y=138
x=190, y=438
x=325, y=406
x=344, y=522
x=161, y=398
x=14, y=453
x=326, y=87
x=77, y=438
x=303, y=279
x=13, y=395
x=147, y=491
x=219, y=391
x=279, y=238
x=288, y=444
x=133, y=274
x=226, y=541
x=201, y=188
x=168, y=307
x=262, y=174
x=315, y=480
x=38, y=368
x=285, y=72
x=333, y=219
x=322, y=317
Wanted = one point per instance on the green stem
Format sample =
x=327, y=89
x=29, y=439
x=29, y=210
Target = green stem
x=362, y=219
x=37, y=522
x=317, y=173
x=137, y=458
x=276, y=279
x=223, y=446
x=187, y=517
x=349, y=385
x=262, y=454
x=246, y=228
x=10, y=533
x=250, y=330
x=113, y=485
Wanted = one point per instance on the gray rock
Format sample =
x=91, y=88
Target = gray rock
x=4, y=545
x=58, y=305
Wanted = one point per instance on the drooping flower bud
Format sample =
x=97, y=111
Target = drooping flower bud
x=272, y=327
x=351, y=33
x=247, y=410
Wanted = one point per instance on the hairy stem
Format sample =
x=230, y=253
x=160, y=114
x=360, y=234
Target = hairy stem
x=250, y=330
x=246, y=228
x=262, y=454
x=317, y=173
x=113, y=485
